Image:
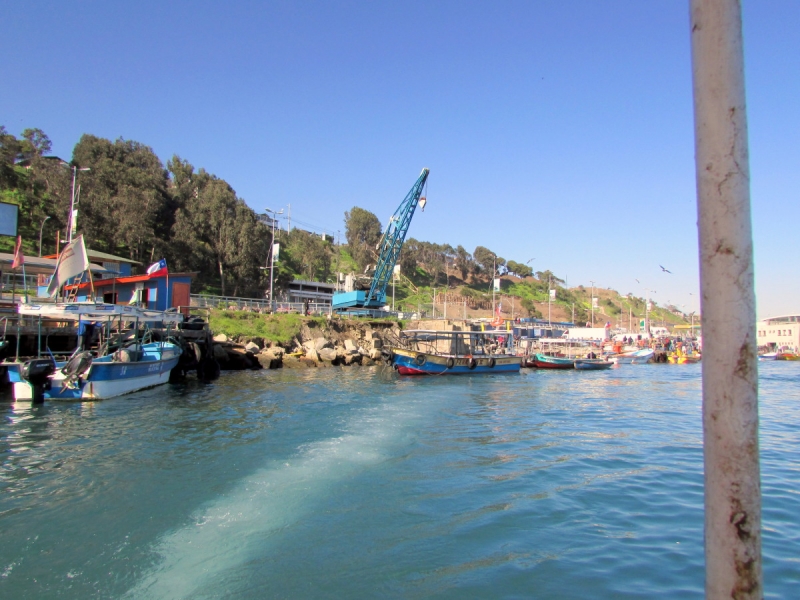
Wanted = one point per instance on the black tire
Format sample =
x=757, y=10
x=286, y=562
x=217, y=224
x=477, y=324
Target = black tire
x=491, y=363
x=451, y=363
x=472, y=364
x=420, y=359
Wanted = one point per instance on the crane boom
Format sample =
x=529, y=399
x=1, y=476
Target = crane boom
x=393, y=239
x=388, y=252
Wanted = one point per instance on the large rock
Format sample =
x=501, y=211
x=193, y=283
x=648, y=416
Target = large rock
x=252, y=347
x=220, y=353
x=329, y=355
x=350, y=346
x=270, y=360
x=221, y=338
x=321, y=343
x=375, y=354
x=293, y=362
x=312, y=355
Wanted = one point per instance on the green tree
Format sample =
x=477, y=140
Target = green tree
x=124, y=206
x=363, y=231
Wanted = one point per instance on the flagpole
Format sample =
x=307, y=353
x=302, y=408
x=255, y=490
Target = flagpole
x=25, y=282
x=167, y=307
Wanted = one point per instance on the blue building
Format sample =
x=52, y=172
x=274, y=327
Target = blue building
x=158, y=292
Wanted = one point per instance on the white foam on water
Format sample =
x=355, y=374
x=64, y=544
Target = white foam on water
x=233, y=528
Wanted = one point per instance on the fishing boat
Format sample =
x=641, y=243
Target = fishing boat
x=787, y=356
x=592, y=364
x=427, y=352
x=683, y=359
x=638, y=357
x=135, y=362
x=545, y=361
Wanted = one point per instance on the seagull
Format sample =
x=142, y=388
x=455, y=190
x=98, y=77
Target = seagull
x=637, y=281
x=665, y=270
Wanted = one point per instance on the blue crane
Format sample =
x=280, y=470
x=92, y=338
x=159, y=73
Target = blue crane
x=388, y=252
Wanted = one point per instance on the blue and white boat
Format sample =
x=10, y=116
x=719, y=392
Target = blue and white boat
x=428, y=352
x=137, y=364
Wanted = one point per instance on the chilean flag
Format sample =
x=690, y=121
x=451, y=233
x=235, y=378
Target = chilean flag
x=158, y=269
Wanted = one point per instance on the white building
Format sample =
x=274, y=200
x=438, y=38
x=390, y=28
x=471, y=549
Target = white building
x=778, y=333
x=315, y=292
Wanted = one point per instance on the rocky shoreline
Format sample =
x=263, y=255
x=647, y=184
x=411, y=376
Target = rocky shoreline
x=345, y=342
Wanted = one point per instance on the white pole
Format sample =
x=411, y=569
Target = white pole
x=494, y=271
x=72, y=204
x=592, y=282
x=730, y=377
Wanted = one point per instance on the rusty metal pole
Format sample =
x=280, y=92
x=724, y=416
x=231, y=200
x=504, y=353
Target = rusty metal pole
x=730, y=386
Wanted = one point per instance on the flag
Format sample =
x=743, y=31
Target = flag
x=72, y=261
x=19, y=259
x=158, y=268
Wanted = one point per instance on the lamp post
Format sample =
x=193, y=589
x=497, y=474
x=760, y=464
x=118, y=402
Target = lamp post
x=272, y=257
x=592, y=282
x=40, y=234
x=494, y=273
x=71, y=219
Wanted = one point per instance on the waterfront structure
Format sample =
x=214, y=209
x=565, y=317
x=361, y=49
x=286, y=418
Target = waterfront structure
x=777, y=333
x=314, y=292
x=153, y=292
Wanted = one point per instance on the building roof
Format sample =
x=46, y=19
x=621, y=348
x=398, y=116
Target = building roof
x=103, y=256
x=782, y=319
x=132, y=279
x=36, y=265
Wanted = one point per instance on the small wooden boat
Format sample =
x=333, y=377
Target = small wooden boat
x=634, y=358
x=425, y=352
x=683, y=359
x=592, y=364
x=545, y=361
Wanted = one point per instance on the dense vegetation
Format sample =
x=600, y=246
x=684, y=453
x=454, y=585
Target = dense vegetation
x=131, y=204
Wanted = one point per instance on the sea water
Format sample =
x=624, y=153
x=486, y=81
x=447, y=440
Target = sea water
x=358, y=483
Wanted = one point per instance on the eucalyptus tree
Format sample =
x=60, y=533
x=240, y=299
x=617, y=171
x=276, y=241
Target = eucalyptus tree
x=363, y=231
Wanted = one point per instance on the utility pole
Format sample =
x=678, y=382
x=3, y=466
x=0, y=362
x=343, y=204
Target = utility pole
x=592, y=282
x=730, y=368
x=272, y=257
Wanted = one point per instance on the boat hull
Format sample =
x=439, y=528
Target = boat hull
x=683, y=360
x=407, y=362
x=542, y=361
x=593, y=365
x=633, y=358
x=105, y=378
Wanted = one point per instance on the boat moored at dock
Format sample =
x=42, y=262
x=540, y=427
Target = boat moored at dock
x=135, y=362
x=428, y=352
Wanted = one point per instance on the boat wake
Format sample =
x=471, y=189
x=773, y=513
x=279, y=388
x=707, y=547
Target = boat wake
x=234, y=529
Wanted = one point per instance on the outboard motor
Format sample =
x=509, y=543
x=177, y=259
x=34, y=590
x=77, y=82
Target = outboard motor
x=37, y=373
x=75, y=367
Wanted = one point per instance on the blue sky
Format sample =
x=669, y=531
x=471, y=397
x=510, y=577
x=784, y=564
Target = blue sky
x=560, y=131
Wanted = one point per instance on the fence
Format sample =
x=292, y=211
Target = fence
x=257, y=304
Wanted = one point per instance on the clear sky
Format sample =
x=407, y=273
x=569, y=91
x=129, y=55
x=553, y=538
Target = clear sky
x=559, y=131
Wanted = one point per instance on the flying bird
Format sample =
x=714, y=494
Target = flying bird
x=665, y=270
x=637, y=281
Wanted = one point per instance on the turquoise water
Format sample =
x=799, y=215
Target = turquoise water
x=356, y=483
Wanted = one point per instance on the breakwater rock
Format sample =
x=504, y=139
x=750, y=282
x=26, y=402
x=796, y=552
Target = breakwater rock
x=317, y=343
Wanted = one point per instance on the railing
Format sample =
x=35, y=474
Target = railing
x=257, y=304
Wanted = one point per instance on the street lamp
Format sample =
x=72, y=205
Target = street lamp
x=40, y=234
x=272, y=257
